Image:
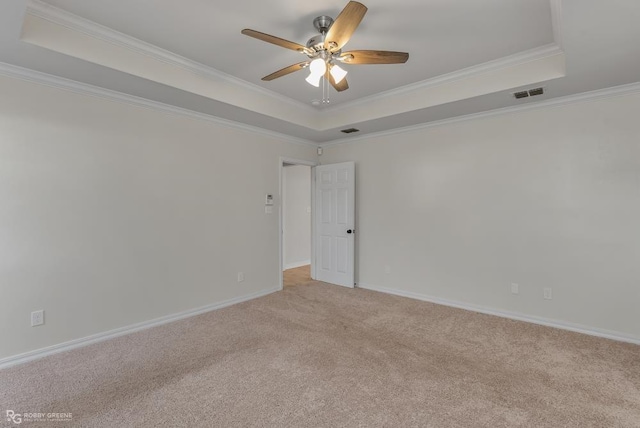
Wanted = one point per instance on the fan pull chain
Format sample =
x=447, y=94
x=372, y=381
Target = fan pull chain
x=325, y=91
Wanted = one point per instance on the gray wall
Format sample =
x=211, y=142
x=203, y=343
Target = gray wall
x=112, y=215
x=544, y=198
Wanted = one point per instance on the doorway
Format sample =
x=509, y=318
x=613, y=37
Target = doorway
x=330, y=210
x=296, y=249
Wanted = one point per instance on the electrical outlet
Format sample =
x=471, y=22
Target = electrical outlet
x=547, y=294
x=240, y=276
x=515, y=288
x=37, y=318
x=387, y=269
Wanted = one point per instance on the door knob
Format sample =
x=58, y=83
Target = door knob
x=349, y=231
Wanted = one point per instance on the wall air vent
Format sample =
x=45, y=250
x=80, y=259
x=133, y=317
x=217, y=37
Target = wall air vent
x=522, y=94
x=350, y=130
x=536, y=91
x=528, y=93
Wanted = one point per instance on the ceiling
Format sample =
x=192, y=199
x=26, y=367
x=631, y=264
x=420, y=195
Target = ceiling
x=435, y=33
x=466, y=56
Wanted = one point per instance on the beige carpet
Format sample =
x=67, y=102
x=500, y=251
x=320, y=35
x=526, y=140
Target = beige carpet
x=321, y=355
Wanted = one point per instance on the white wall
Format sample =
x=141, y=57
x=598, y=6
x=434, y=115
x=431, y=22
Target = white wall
x=296, y=224
x=112, y=214
x=544, y=198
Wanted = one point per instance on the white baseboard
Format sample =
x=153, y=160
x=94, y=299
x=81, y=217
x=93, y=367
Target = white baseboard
x=111, y=334
x=578, y=328
x=297, y=264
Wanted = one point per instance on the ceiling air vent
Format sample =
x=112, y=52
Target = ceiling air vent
x=529, y=93
x=350, y=130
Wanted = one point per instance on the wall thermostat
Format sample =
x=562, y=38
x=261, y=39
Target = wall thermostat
x=269, y=200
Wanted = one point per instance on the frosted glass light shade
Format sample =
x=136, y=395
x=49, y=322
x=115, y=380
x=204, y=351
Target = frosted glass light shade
x=318, y=66
x=314, y=79
x=338, y=73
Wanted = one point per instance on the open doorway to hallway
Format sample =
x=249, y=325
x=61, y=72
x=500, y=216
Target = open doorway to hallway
x=297, y=276
x=296, y=224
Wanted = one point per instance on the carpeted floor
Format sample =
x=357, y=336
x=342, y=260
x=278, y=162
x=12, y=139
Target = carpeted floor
x=321, y=355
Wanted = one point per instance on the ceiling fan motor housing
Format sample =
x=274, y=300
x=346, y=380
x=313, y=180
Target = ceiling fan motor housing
x=316, y=43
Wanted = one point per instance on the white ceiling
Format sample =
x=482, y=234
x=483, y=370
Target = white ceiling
x=484, y=49
x=441, y=36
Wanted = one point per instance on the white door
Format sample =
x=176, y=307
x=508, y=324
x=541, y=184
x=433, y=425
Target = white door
x=335, y=195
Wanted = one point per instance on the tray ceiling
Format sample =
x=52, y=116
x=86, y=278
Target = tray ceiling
x=466, y=56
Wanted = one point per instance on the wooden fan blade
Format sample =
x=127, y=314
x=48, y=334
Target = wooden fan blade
x=286, y=70
x=274, y=40
x=342, y=86
x=374, y=57
x=344, y=26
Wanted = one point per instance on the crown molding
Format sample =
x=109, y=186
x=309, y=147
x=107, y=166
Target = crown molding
x=16, y=72
x=74, y=22
x=45, y=11
x=616, y=91
x=556, y=22
x=13, y=71
x=487, y=67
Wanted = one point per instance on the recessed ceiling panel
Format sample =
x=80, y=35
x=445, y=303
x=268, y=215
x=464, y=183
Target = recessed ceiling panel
x=595, y=38
x=441, y=36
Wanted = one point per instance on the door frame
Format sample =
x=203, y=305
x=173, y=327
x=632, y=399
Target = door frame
x=281, y=167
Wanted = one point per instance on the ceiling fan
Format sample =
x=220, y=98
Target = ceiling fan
x=325, y=50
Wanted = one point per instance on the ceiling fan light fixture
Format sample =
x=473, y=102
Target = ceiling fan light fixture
x=314, y=79
x=325, y=49
x=338, y=73
x=317, y=68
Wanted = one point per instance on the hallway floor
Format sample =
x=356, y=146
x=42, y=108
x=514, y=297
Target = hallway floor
x=297, y=276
